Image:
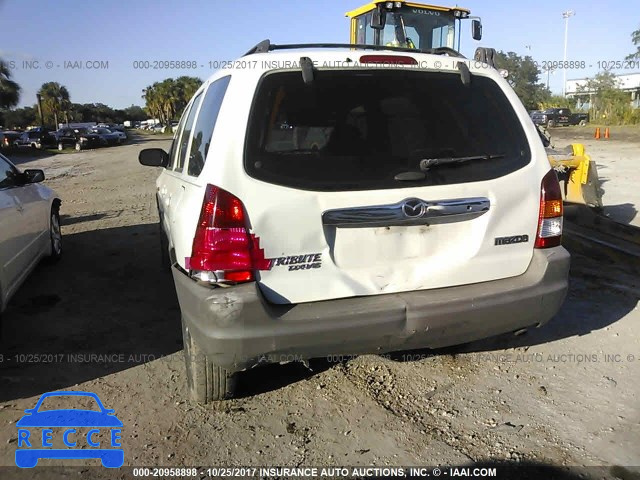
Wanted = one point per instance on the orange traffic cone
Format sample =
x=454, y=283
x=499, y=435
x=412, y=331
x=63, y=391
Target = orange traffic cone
x=597, y=135
x=606, y=133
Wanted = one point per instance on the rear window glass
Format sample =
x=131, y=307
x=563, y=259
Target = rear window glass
x=357, y=130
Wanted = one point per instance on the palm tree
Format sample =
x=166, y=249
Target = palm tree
x=166, y=100
x=55, y=99
x=635, y=39
x=188, y=87
x=152, y=100
x=9, y=90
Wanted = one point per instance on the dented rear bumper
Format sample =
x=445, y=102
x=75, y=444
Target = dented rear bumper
x=238, y=328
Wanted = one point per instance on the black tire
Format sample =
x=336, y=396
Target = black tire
x=206, y=382
x=55, y=233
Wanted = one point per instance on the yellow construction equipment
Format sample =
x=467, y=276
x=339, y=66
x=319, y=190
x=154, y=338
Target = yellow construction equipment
x=577, y=174
x=576, y=171
x=410, y=25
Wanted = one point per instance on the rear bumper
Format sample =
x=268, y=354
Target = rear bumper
x=238, y=328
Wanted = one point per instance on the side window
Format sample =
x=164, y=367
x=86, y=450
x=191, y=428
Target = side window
x=173, y=153
x=205, y=125
x=186, y=134
x=7, y=174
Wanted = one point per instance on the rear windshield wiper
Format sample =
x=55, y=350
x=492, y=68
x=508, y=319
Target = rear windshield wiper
x=427, y=163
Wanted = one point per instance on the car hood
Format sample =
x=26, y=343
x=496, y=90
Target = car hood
x=69, y=418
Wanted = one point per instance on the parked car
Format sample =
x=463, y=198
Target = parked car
x=111, y=126
x=368, y=225
x=559, y=116
x=78, y=138
x=29, y=225
x=121, y=135
x=107, y=136
x=8, y=138
x=36, y=138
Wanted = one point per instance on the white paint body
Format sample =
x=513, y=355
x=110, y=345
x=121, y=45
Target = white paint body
x=25, y=215
x=361, y=261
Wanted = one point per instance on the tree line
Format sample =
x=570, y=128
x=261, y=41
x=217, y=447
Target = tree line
x=167, y=99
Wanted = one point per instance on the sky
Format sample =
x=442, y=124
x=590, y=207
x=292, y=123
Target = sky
x=114, y=35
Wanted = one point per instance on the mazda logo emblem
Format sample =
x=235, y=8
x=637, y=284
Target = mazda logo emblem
x=413, y=208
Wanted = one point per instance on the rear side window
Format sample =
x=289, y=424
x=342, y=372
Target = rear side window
x=186, y=133
x=357, y=130
x=206, y=123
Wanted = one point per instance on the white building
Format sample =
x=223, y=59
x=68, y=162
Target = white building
x=629, y=83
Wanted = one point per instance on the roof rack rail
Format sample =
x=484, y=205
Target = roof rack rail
x=262, y=47
x=266, y=46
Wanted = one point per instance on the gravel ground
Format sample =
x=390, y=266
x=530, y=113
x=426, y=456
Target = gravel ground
x=565, y=394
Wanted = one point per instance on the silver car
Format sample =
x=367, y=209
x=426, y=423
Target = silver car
x=29, y=226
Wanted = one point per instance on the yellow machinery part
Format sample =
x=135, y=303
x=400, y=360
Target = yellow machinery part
x=581, y=176
x=367, y=7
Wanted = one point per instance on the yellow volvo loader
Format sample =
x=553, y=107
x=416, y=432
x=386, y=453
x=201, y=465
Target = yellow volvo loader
x=433, y=28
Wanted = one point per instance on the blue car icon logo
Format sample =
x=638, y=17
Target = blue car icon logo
x=80, y=430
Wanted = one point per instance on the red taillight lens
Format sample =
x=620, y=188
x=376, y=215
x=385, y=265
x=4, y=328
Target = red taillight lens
x=222, y=242
x=388, y=59
x=550, y=217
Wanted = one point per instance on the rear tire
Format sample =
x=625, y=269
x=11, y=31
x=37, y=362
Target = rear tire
x=206, y=382
x=55, y=233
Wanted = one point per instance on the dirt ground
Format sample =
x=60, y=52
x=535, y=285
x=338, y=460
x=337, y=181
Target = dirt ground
x=565, y=394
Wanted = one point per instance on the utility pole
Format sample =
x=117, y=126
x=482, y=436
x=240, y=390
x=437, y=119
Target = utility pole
x=549, y=70
x=565, y=15
x=39, y=98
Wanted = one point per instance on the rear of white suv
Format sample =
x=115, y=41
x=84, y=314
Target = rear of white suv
x=332, y=201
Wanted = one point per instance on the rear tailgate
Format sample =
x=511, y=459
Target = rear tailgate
x=329, y=196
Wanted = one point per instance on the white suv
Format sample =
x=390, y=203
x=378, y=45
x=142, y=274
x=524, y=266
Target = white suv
x=341, y=201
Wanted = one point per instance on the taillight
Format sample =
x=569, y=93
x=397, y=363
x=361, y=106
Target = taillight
x=223, y=249
x=388, y=59
x=550, y=216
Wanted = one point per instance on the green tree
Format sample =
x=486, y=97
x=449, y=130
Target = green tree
x=635, y=39
x=167, y=99
x=524, y=78
x=9, y=90
x=20, y=117
x=608, y=104
x=55, y=100
x=135, y=113
x=556, y=101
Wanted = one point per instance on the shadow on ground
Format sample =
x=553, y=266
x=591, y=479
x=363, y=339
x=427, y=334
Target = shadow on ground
x=21, y=156
x=105, y=307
